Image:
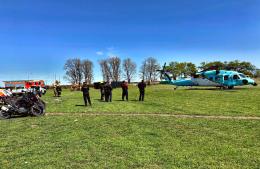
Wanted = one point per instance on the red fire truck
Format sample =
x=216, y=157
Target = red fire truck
x=18, y=86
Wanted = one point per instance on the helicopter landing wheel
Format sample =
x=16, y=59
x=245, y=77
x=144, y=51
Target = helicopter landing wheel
x=230, y=87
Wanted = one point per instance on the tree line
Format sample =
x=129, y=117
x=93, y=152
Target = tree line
x=78, y=70
x=113, y=69
x=186, y=69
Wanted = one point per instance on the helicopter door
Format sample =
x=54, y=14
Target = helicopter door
x=234, y=79
x=226, y=80
x=225, y=77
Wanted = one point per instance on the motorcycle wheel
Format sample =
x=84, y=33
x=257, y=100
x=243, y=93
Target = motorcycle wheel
x=37, y=110
x=41, y=104
x=4, y=115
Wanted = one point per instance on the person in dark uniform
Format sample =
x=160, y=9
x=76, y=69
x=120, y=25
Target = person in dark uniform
x=102, y=91
x=141, y=86
x=85, y=91
x=124, y=87
x=38, y=91
x=57, y=89
x=108, y=92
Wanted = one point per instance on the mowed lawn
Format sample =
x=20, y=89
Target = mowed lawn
x=242, y=101
x=73, y=141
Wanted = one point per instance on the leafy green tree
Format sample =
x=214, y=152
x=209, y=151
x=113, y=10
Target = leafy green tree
x=172, y=68
x=257, y=73
x=191, y=69
x=181, y=69
x=243, y=67
x=236, y=65
x=208, y=65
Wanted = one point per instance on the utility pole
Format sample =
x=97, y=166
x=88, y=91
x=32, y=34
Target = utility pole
x=54, y=76
x=28, y=75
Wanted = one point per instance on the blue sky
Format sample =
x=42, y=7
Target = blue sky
x=38, y=36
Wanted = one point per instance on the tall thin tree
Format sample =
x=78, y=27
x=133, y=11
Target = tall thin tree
x=105, y=69
x=73, y=70
x=151, y=66
x=87, y=67
x=115, y=69
x=143, y=72
x=129, y=69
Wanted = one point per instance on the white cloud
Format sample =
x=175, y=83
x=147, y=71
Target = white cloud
x=108, y=52
x=111, y=48
x=100, y=53
x=111, y=52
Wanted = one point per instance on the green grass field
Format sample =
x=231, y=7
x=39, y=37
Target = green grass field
x=128, y=142
x=243, y=101
x=72, y=140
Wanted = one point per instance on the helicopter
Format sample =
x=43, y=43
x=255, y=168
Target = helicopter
x=210, y=77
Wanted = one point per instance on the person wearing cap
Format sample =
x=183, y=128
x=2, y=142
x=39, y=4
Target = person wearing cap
x=102, y=91
x=85, y=91
x=57, y=88
x=124, y=87
x=141, y=86
x=108, y=92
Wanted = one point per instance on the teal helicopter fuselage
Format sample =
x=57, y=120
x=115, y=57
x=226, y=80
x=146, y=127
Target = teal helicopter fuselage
x=219, y=78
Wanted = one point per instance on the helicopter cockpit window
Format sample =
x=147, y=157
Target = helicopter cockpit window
x=242, y=75
x=235, y=77
x=226, y=77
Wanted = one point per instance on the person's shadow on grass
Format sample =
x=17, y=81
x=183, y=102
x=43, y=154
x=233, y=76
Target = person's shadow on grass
x=119, y=100
x=100, y=100
x=134, y=100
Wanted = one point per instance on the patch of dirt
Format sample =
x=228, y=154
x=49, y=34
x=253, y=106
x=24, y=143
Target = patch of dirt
x=158, y=115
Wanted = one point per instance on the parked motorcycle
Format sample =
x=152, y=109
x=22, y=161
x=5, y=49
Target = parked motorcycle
x=28, y=104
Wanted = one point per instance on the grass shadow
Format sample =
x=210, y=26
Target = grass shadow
x=119, y=100
x=134, y=100
x=19, y=116
x=99, y=100
x=216, y=89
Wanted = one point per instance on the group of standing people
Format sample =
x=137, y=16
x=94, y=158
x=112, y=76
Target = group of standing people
x=106, y=92
x=141, y=87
